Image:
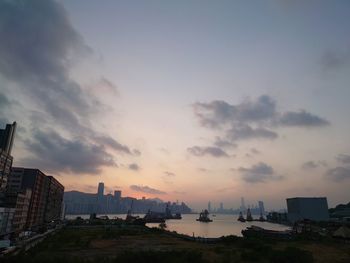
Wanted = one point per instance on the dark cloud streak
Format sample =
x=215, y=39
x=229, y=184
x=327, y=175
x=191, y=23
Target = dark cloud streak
x=203, y=151
x=146, y=189
x=338, y=174
x=259, y=173
x=134, y=167
x=343, y=158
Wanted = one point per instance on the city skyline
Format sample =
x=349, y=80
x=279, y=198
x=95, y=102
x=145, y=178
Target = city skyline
x=184, y=100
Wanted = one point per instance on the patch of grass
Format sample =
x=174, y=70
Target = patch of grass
x=186, y=256
x=189, y=256
x=291, y=255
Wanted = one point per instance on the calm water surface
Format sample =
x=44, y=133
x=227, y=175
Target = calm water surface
x=222, y=225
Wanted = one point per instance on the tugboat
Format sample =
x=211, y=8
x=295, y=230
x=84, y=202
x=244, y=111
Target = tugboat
x=154, y=217
x=249, y=215
x=204, y=217
x=241, y=218
x=134, y=220
x=261, y=218
x=169, y=215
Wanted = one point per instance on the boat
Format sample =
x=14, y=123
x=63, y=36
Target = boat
x=169, y=215
x=255, y=231
x=134, y=220
x=204, y=217
x=154, y=217
x=176, y=216
x=249, y=215
x=241, y=218
x=261, y=218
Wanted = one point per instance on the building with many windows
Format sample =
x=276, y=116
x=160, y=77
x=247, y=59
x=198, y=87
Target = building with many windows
x=46, y=195
x=19, y=201
x=53, y=208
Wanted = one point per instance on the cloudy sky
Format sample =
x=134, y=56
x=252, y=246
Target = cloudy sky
x=183, y=100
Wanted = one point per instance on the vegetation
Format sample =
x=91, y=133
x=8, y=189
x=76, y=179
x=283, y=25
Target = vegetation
x=122, y=243
x=339, y=208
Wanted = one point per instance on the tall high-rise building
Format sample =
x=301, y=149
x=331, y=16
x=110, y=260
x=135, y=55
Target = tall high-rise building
x=261, y=207
x=6, y=212
x=100, y=191
x=242, y=204
x=7, y=136
x=117, y=194
x=221, y=206
x=209, y=206
x=6, y=141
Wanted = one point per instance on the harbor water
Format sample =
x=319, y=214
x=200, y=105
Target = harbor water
x=222, y=225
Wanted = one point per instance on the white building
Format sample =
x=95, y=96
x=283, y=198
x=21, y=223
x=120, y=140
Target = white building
x=313, y=208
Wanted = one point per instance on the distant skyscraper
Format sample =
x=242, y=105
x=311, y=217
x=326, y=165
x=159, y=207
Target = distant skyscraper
x=100, y=191
x=221, y=206
x=242, y=203
x=261, y=207
x=117, y=195
x=209, y=206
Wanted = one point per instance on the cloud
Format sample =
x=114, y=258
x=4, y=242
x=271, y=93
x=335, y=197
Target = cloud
x=169, y=174
x=167, y=177
x=218, y=113
x=309, y=165
x=164, y=150
x=146, y=189
x=38, y=52
x=56, y=154
x=246, y=133
x=254, y=151
x=38, y=56
x=224, y=143
x=134, y=167
x=136, y=152
x=250, y=119
x=313, y=165
x=4, y=102
x=343, y=158
x=204, y=170
x=105, y=85
x=302, y=119
x=203, y=151
x=335, y=59
x=338, y=174
x=259, y=173
x=109, y=141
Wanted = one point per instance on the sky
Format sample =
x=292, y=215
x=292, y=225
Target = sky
x=181, y=100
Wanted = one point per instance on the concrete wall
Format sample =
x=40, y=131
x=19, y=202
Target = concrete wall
x=313, y=208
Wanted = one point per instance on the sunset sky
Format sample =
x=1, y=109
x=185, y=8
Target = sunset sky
x=181, y=100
